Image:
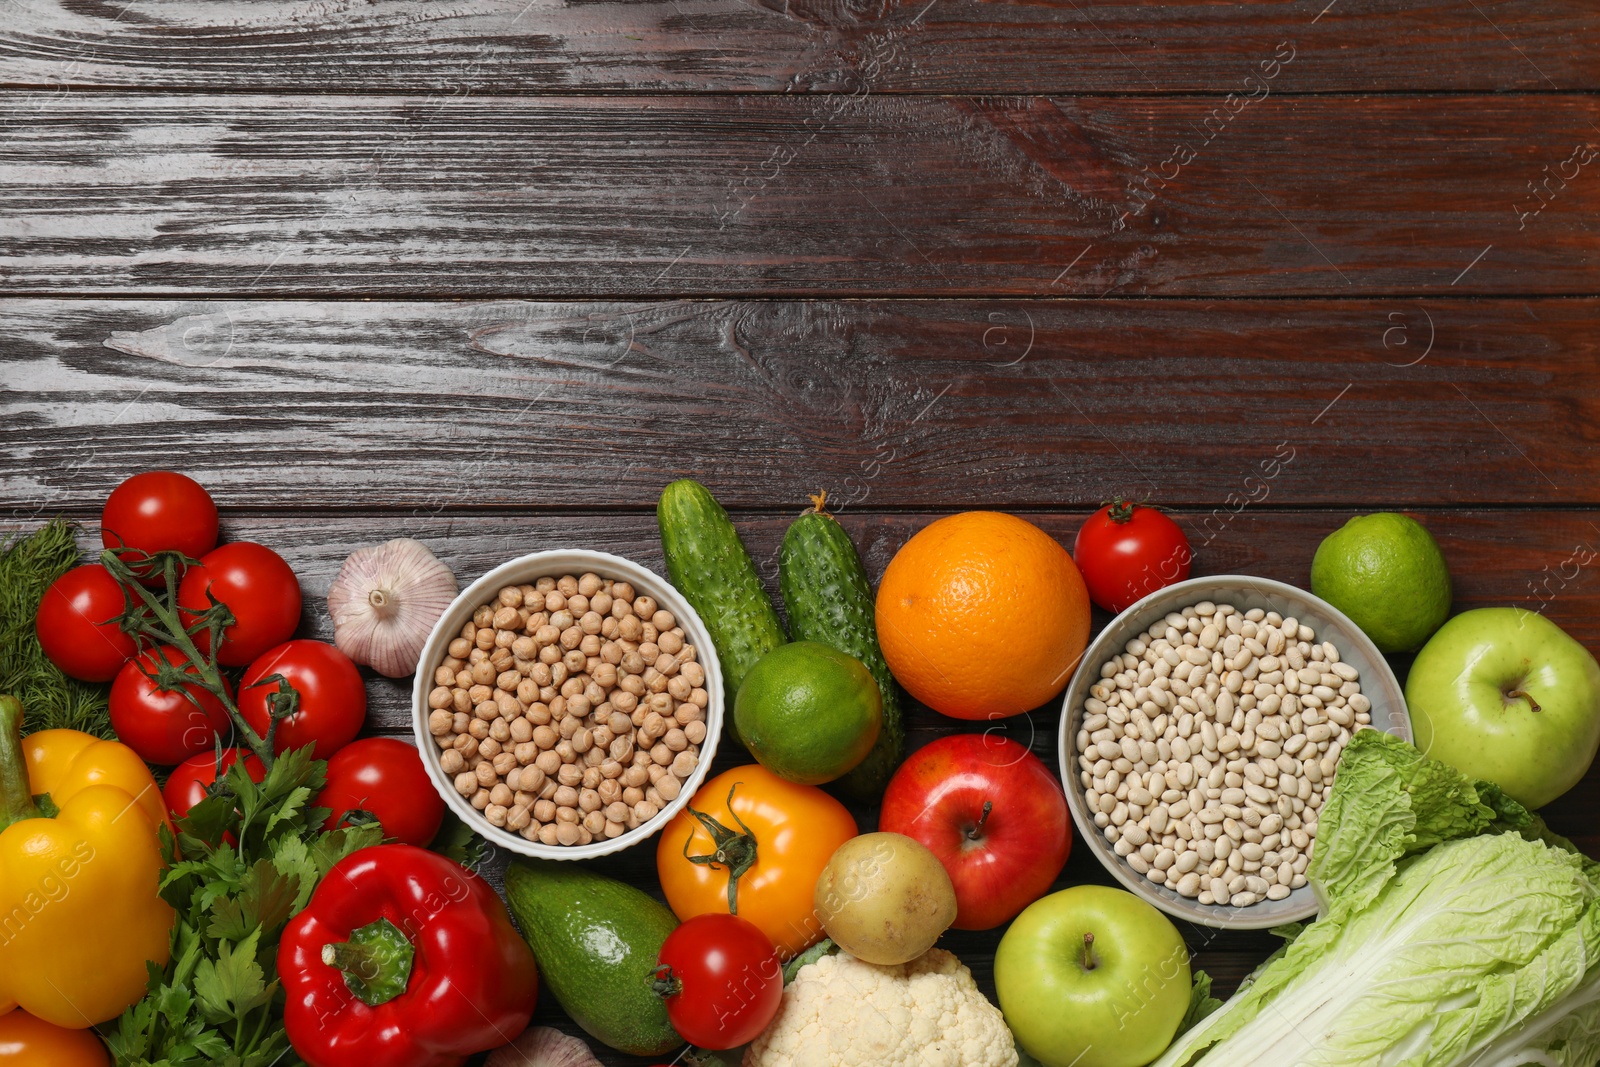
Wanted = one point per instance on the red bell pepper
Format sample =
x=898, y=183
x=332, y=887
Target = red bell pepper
x=403, y=958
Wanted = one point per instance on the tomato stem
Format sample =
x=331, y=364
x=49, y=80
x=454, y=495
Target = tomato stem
x=663, y=983
x=160, y=622
x=1120, y=511
x=735, y=851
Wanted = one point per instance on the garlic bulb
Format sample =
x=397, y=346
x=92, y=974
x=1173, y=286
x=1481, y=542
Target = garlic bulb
x=386, y=600
x=543, y=1046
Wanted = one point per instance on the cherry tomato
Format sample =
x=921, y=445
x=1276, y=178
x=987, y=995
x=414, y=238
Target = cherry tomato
x=257, y=586
x=77, y=624
x=721, y=980
x=1128, y=551
x=160, y=510
x=384, y=776
x=190, y=780
x=795, y=830
x=162, y=725
x=333, y=698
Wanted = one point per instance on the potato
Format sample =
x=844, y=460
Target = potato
x=885, y=898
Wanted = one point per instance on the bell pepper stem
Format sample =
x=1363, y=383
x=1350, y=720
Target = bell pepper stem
x=16, y=796
x=376, y=962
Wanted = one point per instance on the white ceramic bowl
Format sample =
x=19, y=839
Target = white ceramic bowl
x=1244, y=592
x=525, y=570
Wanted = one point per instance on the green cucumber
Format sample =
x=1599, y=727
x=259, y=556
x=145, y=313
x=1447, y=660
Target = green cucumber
x=597, y=941
x=829, y=600
x=708, y=564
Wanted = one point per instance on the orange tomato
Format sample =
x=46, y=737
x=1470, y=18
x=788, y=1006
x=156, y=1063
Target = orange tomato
x=754, y=841
x=26, y=1041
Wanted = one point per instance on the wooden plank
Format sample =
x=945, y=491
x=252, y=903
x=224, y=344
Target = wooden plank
x=1020, y=404
x=841, y=196
x=962, y=46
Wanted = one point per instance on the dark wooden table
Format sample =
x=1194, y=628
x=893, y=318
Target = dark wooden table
x=490, y=274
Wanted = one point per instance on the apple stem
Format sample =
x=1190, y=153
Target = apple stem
x=1089, y=962
x=977, y=831
x=1525, y=695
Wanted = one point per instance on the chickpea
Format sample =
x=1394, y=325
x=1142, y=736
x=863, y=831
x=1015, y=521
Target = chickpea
x=460, y=701
x=695, y=732
x=518, y=818
x=483, y=672
x=544, y=810
x=545, y=737
x=611, y=769
x=502, y=658
x=675, y=739
x=566, y=796
x=500, y=730
x=484, y=638
x=609, y=791
x=615, y=829
x=478, y=728
x=683, y=764
x=526, y=752
x=569, y=775
x=632, y=795
x=634, y=777
x=461, y=647
x=577, y=603
x=465, y=742
x=532, y=780
x=591, y=774
x=501, y=794
x=568, y=833
x=548, y=762
x=548, y=835
x=538, y=713
x=451, y=762
x=466, y=783
x=555, y=600
x=439, y=720
x=505, y=762
x=519, y=731
x=480, y=799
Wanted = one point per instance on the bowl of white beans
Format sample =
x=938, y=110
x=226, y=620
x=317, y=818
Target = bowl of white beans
x=568, y=704
x=1201, y=735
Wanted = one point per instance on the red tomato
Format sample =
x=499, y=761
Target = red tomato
x=162, y=725
x=257, y=586
x=187, y=784
x=333, y=698
x=1128, y=551
x=721, y=979
x=160, y=510
x=386, y=777
x=77, y=624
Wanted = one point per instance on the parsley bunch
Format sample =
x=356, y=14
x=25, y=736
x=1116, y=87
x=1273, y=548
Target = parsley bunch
x=218, y=1001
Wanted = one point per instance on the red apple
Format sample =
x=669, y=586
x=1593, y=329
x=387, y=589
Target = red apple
x=993, y=814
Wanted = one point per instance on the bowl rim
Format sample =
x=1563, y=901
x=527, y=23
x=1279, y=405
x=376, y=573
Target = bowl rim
x=1302, y=903
x=519, y=571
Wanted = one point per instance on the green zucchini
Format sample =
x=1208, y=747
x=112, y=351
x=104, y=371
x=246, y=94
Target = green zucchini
x=829, y=600
x=708, y=564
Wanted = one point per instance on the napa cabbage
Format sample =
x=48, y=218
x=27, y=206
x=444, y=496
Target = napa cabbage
x=1453, y=931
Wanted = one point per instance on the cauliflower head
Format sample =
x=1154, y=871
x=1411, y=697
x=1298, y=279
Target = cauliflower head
x=841, y=1012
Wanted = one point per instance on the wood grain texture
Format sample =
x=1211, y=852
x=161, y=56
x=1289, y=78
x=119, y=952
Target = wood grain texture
x=844, y=196
x=1501, y=557
x=430, y=407
x=964, y=46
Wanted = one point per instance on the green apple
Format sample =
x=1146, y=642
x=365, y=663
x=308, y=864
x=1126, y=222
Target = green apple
x=1506, y=695
x=1092, y=977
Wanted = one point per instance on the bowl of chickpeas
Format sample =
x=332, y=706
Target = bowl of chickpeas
x=568, y=703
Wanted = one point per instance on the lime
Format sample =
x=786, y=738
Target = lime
x=808, y=713
x=1386, y=572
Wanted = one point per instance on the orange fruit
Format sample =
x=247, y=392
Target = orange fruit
x=982, y=615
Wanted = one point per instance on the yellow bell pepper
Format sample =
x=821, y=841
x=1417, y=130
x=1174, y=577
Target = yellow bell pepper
x=79, y=908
